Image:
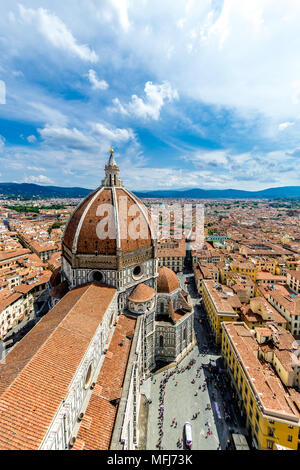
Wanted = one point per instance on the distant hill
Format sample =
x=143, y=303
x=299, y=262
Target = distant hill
x=28, y=191
x=272, y=193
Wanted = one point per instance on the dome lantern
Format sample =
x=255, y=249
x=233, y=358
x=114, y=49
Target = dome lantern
x=112, y=172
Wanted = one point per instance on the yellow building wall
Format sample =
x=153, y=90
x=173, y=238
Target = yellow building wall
x=267, y=432
x=214, y=318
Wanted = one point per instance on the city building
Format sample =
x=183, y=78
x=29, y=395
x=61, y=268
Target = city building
x=259, y=311
x=293, y=280
x=288, y=304
x=171, y=253
x=263, y=367
x=115, y=316
x=221, y=305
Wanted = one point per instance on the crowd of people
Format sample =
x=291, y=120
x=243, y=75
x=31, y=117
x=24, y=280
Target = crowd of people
x=214, y=378
x=162, y=391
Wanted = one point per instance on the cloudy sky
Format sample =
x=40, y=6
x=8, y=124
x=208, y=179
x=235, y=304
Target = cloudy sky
x=190, y=93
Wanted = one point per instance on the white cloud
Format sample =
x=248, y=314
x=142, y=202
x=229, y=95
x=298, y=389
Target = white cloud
x=11, y=17
x=17, y=73
x=218, y=157
x=121, y=8
x=2, y=92
x=114, y=134
x=96, y=83
x=284, y=125
x=74, y=139
x=242, y=171
x=118, y=107
x=48, y=113
x=151, y=105
x=31, y=139
x=2, y=143
x=41, y=179
x=231, y=64
x=231, y=43
x=56, y=32
x=71, y=138
x=35, y=168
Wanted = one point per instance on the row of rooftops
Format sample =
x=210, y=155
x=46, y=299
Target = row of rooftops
x=9, y=296
x=44, y=363
x=223, y=297
x=275, y=399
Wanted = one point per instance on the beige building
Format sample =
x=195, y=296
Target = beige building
x=18, y=303
x=293, y=281
x=242, y=285
x=262, y=368
x=204, y=271
x=221, y=305
x=116, y=315
x=289, y=307
x=264, y=264
x=171, y=253
x=259, y=312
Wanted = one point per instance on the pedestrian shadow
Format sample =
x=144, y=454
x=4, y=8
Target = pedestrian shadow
x=212, y=375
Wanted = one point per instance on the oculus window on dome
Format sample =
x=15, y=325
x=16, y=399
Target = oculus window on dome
x=137, y=272
x=97, y=276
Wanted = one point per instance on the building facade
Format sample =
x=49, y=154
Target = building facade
x=114, y=317
x=268, y=404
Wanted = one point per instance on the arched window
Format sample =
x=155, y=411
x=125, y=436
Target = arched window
x=161, y=341
x=97, y=276
x=137, y=272
x=162, y=307
x=184, y=333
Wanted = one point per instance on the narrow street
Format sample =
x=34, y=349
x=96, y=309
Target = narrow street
x=192, y=390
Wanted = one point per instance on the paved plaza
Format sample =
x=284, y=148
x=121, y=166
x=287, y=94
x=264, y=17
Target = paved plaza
x=183, y=398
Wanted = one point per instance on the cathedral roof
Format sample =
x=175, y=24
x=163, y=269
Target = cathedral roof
x=44, y=363
x=97, y=426
x=167, y=280
x=114, y=203
x=141, y=293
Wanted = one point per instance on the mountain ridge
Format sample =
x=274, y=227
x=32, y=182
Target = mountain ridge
x=31, y=190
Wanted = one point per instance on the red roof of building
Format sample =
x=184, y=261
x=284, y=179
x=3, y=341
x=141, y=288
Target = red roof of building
x=39, y=369
x=167, y=280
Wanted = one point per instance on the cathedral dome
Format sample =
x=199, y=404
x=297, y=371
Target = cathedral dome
x=109, y=222
x=167, y=280
x=141, y=293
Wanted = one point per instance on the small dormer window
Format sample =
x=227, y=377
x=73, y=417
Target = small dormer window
x=88, y=376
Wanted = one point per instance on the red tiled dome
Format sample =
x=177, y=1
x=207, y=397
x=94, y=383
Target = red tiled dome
x=167, y=280
x=55, y=278
x=59, y=291
x=141, y=293
x=80, y=234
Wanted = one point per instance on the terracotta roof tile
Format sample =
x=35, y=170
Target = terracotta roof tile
x=40, y=368
x=101, y=412
x=141, y=293
x=167, y=280
x=88, y=241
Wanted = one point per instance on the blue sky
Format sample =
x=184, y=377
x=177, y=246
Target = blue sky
x=189, y=93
